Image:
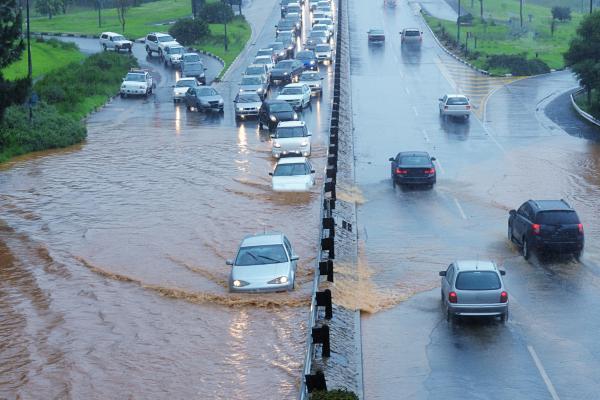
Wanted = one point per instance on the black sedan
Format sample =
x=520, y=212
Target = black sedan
x=413, y=168
x=274, y=111
x=287, y=71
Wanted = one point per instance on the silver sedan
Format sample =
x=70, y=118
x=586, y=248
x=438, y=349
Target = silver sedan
x=264, y=263
x=455, y=105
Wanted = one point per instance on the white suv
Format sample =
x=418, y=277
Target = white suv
x=114, y=41
x=137, y=82
x=291, y=138
x=156, y=42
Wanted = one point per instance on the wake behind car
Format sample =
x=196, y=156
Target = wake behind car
x=114, y=41
x=247, y=105
x=454, y=105
x=296, y=94
x=376, y=35
x=313, y=80
x=287, y=71
x=474, y=289
x=192, y=66
x=291, y=138
x=264, y=263
x=182, y=86
x=294, y=174
x=203, y=98
x=546, y=226
x=156, y=42
x=137, y=82
x=413, y=168
x=274, y=111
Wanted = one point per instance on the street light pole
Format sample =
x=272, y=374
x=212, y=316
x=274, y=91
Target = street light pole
x=225, y=25
x=591, y=6
x=29, y=64
x=458, y=25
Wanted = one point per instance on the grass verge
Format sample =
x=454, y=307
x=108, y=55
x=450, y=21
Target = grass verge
x=46, y=56
x=500, y=33
x=592, y=109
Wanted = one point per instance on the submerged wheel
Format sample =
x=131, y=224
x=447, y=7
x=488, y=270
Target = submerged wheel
x=526, y=249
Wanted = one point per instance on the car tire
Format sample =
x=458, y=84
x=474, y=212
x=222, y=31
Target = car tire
x=451, y=318
x=104, y=47
x=166, y=64
x=511, y=238
x=130, y=49
x=504, y=317
x=526, y=249
x=261, y=126
x=577, y=255
x=123, y=95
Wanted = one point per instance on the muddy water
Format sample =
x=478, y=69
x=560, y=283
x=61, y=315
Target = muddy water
x=114, y=283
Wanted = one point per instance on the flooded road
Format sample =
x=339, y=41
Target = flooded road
x=484, y=170
x=114, y=283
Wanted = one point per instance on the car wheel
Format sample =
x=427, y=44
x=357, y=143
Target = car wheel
x=104, y=47
x=451, y=318
x=577, y=255
x=130, y=49
x=526, y=249
x=166, y=64
x=510, y=234
x=504, y=317
x=123, y=95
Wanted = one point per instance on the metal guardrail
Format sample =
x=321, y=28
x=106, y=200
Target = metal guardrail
x=325, y=243
x=583, y=114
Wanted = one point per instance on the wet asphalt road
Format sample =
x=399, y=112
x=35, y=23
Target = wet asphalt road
x=548, y=349
x=116, y=283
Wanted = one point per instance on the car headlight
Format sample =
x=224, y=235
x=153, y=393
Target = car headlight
x=278, y=281
x=286, y=73
x=282, y=53
x=259, y=90
x=291, y=47
x=240, y=283
x=273, y=118
x=220, y=101
x=295, y=116
x=312, y=62
x=304, y=143
x=276, y=144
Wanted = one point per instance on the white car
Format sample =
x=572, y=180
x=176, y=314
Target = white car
x=328, y=22
x=322, y=27
x=293, y=174
x=156, y=42
x=291, y=138
x=323, y=52
x=455, y=105
x=172, y=55
x=114, y=41
x=296, y=94
x=137, y=82
x=182, y=86
x=313, y=80
x=265, y=60
x=325, y=10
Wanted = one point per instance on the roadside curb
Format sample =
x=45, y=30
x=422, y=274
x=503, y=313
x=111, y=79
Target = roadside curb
x=582, y=114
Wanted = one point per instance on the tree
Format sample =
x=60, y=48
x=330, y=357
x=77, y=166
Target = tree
x=561, y=13
x=481, y=9
x=216, y=13
x=11, y=48
x=122, y=8
x=583, y=55
x=188, y=31
x=48, y=7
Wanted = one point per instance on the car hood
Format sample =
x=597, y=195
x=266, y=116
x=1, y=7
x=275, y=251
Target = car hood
x=133, y=83
x=123, y=42
x=296, y=183
x=260, y=273
x=210, y=98
x=316, y=82
x=250, y=88
x=249, y=105
x=280, y=72
x=180, y=90
x=286, y=97
x=283, y=115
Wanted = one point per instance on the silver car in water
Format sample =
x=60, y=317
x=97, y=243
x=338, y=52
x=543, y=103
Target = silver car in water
x=264, y=263
x=474, y=288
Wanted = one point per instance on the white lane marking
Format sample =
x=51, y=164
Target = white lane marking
x=439, y=164
x=415, y=111
x=543, y=373
x=425, y=135
x=460, y=209
x=407, y=90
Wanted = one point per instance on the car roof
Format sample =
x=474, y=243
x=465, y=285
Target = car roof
x=456, y=95
x=191, y=53
x=555, y=205
x=265, y=48
x=292, y=160
x=159, y=34
x=295, y=85
x=262, y=66
x=412, y=29
x=262, y=57
x=275, y=101
x=262, y=239
x=288, y=124
x=186, y=79
x=111, y=34
x=475, y=265
x=413, y=153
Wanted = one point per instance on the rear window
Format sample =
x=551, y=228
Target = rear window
x=557, y=218
x=478, y=280
x=291, y=132
x=412, y=33
x=291, y=170
x=457, y=101
x=415, y=160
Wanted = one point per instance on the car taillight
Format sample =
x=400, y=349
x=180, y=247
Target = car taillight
x=503, y=297
x=429, y=171
x=580, y=227
x=452, y=297
x=535, y=228
x=401, y=171
x=468, y=107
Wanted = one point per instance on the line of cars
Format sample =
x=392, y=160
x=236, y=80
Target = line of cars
x=267, y=262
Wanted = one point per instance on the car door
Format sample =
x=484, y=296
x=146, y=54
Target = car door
x=442, y=102
x=306, y=90
x=447, y=283
x=291, y=254
x=522, y=222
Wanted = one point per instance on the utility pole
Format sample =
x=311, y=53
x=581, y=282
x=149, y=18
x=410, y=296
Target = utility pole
x=458, y=25
x=225, y=26
x=99, y=13
x=591, y=6
x=29, y=65
x=521, y=11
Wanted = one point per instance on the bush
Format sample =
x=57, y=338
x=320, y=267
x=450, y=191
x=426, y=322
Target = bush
x=188, y=31
x=561, y=13
x=518, y=65
x=216, y=13
x=48, y=130
x=339, y=394
x=466, y=19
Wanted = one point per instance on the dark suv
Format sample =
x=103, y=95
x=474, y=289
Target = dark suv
x=546, y=225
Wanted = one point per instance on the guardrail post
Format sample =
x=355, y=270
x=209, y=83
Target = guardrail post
x=328, y=244
x=315, y=382
x=324, y=300
x=321, y=335
x=326, y=268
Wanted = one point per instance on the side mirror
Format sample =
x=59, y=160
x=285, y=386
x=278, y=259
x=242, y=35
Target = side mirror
x=322, y=78
x=312, y=171
x=294, y=258
x=270, y=173
x=391, y=159
x=205, y=68
x=442, y=273
x=502, y=272
x=433, y=158
x=512, y=213
x=229, y=262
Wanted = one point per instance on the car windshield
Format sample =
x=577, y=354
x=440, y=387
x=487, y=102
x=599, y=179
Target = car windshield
x=251, y=80
x=276, y=46
x=118, y=38
x=264, y=52
x=166, y=38
x=313, y=76
x=291, y=90
x=260, y=255
x=262, y=60
x=412, y=33
x=286, y=64
x=175, y=50
x=416, y=160
x=291, y=132
x=557, y=217
x=291, y=169
x=457, y=101
x=248, y=98
x=255, y=71
x=191, y=58
x=322, y=47
x=285, y=36
x=135, y=78
x=305, y=55
x=373, y=32
x=478, y=280
x=280, y=107
x=206, y=91
x=186, y=83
